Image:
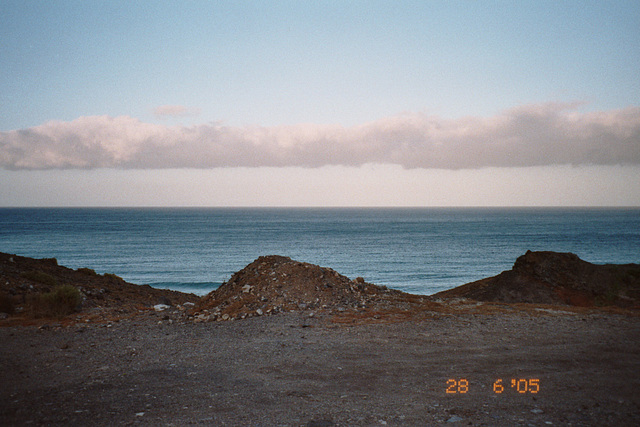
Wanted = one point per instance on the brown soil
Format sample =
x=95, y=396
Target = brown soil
x=557, y=278
x=293, y=370
x=104, y=297
x=339, y=352
x=275, y=284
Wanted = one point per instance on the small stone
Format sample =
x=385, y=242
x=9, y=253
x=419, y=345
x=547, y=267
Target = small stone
x=246, y=289
x=455, y=419
x=201, y=318
x=160, y=307
x=225, y=316
x=139, y=414
x=259, y=312
x=537, y=411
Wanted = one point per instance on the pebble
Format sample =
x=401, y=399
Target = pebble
x=455, y=419
x=160, y=307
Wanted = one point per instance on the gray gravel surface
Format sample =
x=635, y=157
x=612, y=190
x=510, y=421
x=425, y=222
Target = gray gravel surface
x=294, y=370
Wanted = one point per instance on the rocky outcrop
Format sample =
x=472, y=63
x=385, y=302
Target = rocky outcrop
x=273, y=284
x=557, y=278
x=104, y=296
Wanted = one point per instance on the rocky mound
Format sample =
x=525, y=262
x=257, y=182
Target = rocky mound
x=273, y=284
x=102, y=296
x=557, y=278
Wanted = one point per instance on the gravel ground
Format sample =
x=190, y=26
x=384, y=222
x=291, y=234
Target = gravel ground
x=294, y=370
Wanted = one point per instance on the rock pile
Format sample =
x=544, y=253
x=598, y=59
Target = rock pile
x=557, y=278
x=274, y=284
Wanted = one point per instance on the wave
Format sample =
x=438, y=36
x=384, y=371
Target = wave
x=198, y=288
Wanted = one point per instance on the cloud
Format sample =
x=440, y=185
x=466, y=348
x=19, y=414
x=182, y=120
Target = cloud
x=175, y=111
x=532, y=135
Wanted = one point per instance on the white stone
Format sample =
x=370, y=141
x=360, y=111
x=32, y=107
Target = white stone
x=160, y=307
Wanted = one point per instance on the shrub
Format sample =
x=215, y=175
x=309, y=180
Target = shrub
x=60, y=302
x=87, y=271
x=113, y=277
x=40, y=277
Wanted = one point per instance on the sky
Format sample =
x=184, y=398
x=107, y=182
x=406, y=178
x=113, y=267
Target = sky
x=323, y=103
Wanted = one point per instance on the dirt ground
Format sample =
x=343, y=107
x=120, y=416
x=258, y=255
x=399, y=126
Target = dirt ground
x=294, y=369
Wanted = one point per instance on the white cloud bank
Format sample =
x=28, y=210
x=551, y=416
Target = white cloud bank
x=533, y=135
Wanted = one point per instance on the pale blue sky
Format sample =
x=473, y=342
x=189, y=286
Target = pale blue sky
x=478, y=69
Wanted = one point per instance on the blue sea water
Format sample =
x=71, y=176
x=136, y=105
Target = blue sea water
x=418, y=250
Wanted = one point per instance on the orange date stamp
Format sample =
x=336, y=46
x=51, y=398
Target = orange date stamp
x=500, y=386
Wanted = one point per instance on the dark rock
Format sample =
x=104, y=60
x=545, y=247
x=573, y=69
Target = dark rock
x=557, y=278
x=104, y=296
x=273, y=284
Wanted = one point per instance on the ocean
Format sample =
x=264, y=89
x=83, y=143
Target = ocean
x=417, y=250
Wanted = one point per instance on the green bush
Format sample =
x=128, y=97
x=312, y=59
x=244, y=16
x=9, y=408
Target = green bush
x=40, y=277
x=60, y=302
